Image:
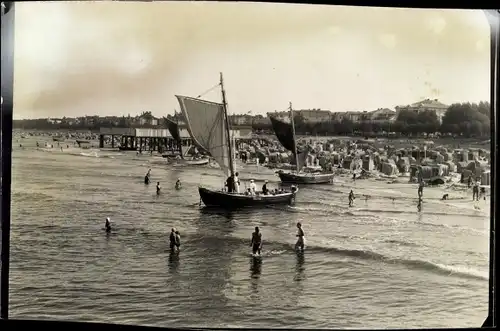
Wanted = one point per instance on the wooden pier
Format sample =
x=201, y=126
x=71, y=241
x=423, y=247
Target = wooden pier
x=139, y=139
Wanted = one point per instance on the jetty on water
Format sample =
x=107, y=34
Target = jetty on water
x=158, y=139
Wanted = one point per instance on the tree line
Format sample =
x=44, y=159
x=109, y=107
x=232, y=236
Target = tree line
x=460, y=119
x=463, y=119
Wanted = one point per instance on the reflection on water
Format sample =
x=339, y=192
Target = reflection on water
x=299, y=267
x=255, y=267
x=173, y=262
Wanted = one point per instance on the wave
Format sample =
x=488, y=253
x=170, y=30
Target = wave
x=388, y=211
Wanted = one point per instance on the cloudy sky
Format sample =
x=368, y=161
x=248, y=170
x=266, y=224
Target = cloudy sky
x=111, y=58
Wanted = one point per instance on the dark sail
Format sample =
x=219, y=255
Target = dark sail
x=173, y=128
x=284, y=133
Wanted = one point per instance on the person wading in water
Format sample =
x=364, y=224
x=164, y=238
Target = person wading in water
x=475, y=192
x=107, y=225
x=351, y=198
x=299, y=245
x=177, y=240
x=158, y=188
x=420, y=191
x=173, y=238
x=256, y=243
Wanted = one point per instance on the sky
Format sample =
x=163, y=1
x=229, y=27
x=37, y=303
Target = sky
x=119, y=58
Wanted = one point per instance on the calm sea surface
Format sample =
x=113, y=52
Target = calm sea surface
x=379, y=264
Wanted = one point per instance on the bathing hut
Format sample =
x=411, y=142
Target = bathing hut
x=389, y=169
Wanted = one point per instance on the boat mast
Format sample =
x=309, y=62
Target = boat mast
x=294, y=139
x=179, y=143
x=229, y=142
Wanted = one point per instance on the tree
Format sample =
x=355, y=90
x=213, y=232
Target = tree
x=467, y=119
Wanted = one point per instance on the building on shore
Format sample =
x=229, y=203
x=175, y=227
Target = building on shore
x=382, y=115
x=308, y=115
x=425, y=105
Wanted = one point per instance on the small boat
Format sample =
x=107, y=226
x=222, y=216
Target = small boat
x=221, y=199
x=285, y=132
x=57, y=138
x=305, y=178
x=125, y=148
x=173, y=128
x=202, y=161
x=208, y=125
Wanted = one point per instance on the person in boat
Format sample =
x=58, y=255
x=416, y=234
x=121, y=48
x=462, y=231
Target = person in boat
x=256, y=243
x=475, y=192
x=107, y=225
x=177, y=240
x=420, y=189
x=253, y=187
x=351, y=198
x=173, y=238
x=158, y=188
x=299, y=245
x=264, y=188
x=236, y=183
x=178, y=184
x=230, y=184
x=248, y=191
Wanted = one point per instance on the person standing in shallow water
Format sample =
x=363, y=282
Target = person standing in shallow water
x=420, y=191
x=351, y=198
x=158, y=188
x=475, y=192
x=173, y=240
x=107, y=225
x=299, y=245
x=177, y=240
x=419, y=204
x=256, y=243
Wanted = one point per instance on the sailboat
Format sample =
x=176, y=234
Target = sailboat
x=173, y=128
x=285, y=132
x=208, y=125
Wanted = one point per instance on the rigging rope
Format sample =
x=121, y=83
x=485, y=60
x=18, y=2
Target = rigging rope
x=209, y=90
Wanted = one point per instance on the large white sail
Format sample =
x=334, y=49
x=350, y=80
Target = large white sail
x=206, y=125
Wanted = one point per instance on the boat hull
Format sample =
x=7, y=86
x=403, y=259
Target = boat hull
x=123, y=148
x=292, y=178
x=195, y=162
x=225, y=200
